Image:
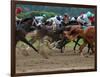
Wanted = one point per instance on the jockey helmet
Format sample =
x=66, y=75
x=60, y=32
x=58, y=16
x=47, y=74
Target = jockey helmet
x=58, y=18
x=44, y=15
x=66, y=14
x=89, y=14
x=92, y=15
x=18, y=10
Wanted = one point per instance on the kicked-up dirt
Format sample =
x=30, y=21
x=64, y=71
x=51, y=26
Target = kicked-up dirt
x=27, y=60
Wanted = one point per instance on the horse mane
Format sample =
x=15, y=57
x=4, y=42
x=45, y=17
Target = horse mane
x=26, y=19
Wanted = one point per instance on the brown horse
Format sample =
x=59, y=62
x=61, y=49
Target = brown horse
x=69, y=34
x=74, y=32
x=88, y=36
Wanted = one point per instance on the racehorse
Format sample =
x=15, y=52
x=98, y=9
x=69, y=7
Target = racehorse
x=69, y=34
x=88, y=36
x=24, y=27
x=73, y=22
x=56, y=34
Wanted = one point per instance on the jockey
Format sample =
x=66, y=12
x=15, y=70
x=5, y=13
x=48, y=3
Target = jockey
x=84, y=20
x=58, y=21
x=55, y=22
x=18, y=11
x=92, y=19
x=73, y=19
x=65, y=20
x=44, y=18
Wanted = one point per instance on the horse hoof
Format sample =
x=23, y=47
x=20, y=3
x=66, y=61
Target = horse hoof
x=74, y=51
x=86, y=56
x=44, y=54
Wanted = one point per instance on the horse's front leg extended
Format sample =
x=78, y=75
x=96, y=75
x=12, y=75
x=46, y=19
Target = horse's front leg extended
x=31, y=41
x=76, y=43
x=81, y=48
x=25, y=41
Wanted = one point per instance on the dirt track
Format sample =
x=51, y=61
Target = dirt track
x=33, y=62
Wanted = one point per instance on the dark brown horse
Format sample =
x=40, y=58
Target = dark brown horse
x=24, y=27
x=20, y=36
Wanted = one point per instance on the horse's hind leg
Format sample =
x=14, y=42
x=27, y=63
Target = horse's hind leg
x=81, y=48
x=64, y=42
x=93, y=49
x=89, y=47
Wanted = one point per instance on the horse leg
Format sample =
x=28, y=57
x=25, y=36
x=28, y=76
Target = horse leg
x=62, y=50
x=64, y=42
x=25, y=41
x=89, y=47
x=93, y=49
x=81, y=48
x=76, y=43
x=31, y=41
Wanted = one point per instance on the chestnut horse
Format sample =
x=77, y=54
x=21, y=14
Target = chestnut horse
x=75, y=32
x=89, y=37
